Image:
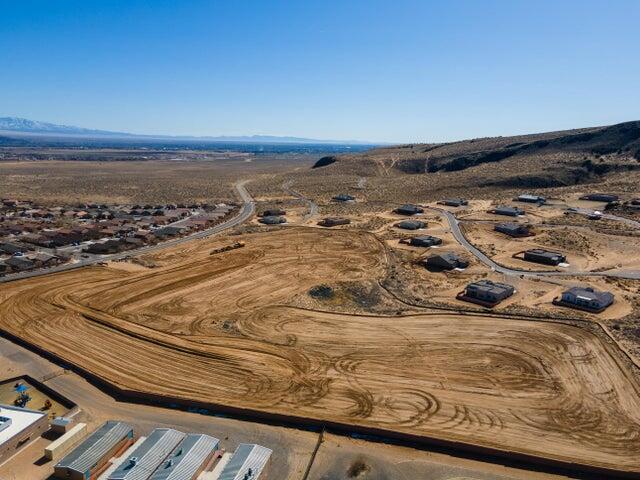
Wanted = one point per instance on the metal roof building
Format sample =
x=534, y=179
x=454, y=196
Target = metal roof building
x=247, y=463
x=144, y=460
x=94, y=452
x=188, y=460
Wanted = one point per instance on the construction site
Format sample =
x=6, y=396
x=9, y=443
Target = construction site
x=234, y=329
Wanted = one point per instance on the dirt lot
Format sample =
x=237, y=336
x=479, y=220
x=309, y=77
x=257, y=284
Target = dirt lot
x=220, y=328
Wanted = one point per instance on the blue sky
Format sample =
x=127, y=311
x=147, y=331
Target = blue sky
x=374, y=70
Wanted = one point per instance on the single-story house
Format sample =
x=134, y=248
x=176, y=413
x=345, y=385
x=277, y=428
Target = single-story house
x=20, y=264
x=487, y=291
x=411, y=224
x=600, y=197
x=409, y=209
x=104, y=247
x=273, y=212
x=513, y=229
x=424, y=241
x=506, y=210
x=528, y=198
x=446, y=261
x=344, y=197
x=586, y=298
x=333, y=221
x=454, y=202
x=12, y=248
x=539, y=255
x=272, y=220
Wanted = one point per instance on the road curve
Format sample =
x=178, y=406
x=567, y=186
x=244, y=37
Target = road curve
x=247, y=210
x=313, y=207
x=454, y=225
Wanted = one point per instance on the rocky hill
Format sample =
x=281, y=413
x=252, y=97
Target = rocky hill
x=535, y=161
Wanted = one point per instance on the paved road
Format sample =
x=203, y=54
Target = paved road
x=608, y=216
x=454, y=224
x=313, y=207
x=247, y=210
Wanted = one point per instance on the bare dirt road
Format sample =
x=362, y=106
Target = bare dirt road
x=221, y=329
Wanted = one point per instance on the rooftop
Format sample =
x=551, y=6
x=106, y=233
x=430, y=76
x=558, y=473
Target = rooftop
x=246, y=457
x=98, y=444
x=14, y=420
x=187, y=458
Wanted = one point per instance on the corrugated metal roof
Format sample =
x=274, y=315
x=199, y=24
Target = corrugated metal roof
x=96, y=446
x=144, y=460
x=246, y=457
x=187, y=458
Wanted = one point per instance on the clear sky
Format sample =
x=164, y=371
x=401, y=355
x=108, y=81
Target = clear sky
x=394, y=70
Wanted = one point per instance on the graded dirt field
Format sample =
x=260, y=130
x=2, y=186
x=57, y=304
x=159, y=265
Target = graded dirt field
x=221, y=329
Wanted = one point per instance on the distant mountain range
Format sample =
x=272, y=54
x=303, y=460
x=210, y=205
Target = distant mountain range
x=25, y=127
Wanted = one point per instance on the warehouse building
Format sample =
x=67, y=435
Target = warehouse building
x=17, y=427
x=190, y=458
x=528, y=198
x=145, y=459
x=334, y=221
x=89, y=459
x=446, y=261
x=423, y=241
x=344, y=197
x=539, y=255
x=409, y=209
x=513, y=229
x=600, y=197
x=454, y=202
x=272, y=220
x=411, y=224
x=506, y=210
x=585, y=298
x=249, y=462
x=486, y=292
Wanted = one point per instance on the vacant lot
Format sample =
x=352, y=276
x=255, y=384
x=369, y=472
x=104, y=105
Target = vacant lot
x=220, y=329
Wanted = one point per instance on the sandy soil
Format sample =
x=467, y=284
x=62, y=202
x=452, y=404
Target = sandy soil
x=586, y=250
x=218, y=329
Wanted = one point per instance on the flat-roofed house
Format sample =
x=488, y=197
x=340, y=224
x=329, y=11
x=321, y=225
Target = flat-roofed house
x=486, y=292
x=89, y=458
x=539, y=255
x=272, y=220
x=586, y=298
x=344, y=197
x=454, y=202
x=190, y=458
x=507, y=210
x=334, y=221
x=17, y=427
x=600, y=197
x=446, y=261
x=424, y=241
x=249, y=461
x=273, y=212
x=513, y=229
x=411, y=224
x=528, y=198
x=149, y=455
x=408, y=209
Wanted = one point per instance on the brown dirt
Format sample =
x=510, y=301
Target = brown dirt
x=219, y=329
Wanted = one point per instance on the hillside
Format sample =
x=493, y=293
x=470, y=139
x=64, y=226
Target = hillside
x=537, y=161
